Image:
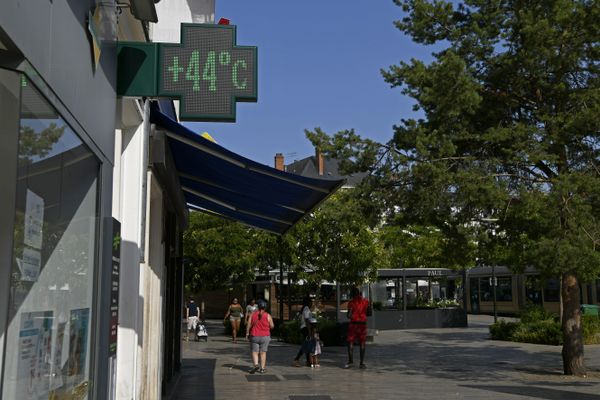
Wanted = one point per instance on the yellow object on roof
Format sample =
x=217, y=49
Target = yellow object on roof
x=207, y=136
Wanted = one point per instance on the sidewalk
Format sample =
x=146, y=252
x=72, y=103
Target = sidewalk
x=459, y=363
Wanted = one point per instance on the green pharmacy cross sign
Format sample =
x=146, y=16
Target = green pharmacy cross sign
x=206, y=71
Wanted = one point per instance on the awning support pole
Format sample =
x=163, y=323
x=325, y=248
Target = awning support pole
x=280, y=241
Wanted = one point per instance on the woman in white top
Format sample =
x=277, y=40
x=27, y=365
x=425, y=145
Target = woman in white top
x=250, y=308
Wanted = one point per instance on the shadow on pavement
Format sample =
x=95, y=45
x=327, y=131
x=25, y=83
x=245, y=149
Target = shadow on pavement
x=197, y=379
x=537, y=392
x=456, y=358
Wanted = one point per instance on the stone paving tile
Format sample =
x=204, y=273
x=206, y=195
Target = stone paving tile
x=414, y=364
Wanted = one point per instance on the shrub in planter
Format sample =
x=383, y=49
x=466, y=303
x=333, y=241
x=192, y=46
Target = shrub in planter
x=503, y=330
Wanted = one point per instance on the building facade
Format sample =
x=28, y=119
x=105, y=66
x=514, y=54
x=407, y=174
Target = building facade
x=96, y=190
x=57, y=109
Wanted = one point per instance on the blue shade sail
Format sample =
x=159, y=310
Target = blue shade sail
x=220, y=181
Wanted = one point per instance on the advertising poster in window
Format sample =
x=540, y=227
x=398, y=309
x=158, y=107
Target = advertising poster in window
x=35, y=350
x=56, y=375
x=34, y=220
x=78, y=334
x=30, y=265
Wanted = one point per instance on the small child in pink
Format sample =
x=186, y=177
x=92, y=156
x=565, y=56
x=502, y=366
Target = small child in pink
x=315, y=344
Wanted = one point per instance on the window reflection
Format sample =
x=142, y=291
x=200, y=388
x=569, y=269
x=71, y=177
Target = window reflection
x=53, y=257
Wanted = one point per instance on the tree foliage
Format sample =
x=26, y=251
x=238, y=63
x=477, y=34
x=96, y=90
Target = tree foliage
x=508, y=129
x=337, y=244
x=333, y=243
x=37, y=144
x=217, y=251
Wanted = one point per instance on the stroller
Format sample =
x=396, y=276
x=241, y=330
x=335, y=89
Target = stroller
x=201, y=332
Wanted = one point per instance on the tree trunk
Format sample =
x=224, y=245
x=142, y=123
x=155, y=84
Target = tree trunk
x=572, y=351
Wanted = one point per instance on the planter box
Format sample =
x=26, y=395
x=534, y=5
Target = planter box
x=419, y=319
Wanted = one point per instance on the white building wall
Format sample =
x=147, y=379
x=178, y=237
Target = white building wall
x=141, y=296
x=172, y=13
x=130, y=303
x=152, y=294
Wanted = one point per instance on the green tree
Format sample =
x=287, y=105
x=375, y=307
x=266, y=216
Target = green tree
x=218, y=251
x=510, y=132
x=337, y=244
x=417, y=246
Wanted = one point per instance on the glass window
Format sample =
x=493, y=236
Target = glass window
x=411, y=292
x=386, y=295
x=552, y=290
x=474, y=294
x=52, y=279
x=504, y=288
x=485, y=289
x=533, y=289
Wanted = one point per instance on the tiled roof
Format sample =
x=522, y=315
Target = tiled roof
x=308, y=167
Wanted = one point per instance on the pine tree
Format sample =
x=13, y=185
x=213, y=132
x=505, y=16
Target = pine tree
x=510, y=133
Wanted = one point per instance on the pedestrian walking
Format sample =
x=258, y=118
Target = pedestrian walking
x=250, y=309
x=305, y=316
x=259, y=333
x=192, y=315
x=357, y=329
x=235, y=314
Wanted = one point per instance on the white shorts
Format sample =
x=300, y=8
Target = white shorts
x=192, y=321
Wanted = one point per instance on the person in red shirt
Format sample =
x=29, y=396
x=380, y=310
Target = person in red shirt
x=357, y=329
x=259, y=333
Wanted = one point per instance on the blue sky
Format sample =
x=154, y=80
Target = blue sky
x=319, y=66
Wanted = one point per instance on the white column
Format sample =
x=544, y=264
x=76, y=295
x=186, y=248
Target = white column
x=152, y=293
x=130, y=306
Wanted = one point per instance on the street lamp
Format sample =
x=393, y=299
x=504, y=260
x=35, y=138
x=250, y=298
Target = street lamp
x=494, y=284
x=493, y=279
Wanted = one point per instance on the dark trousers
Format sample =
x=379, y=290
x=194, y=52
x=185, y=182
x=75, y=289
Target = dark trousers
x=304, y=332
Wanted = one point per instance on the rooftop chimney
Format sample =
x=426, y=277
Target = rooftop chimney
x=320, y=161
x=279, y=162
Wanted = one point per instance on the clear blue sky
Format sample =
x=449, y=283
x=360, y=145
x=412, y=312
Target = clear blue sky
x=319, y=66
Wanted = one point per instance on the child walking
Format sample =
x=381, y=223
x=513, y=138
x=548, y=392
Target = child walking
x=315, y=344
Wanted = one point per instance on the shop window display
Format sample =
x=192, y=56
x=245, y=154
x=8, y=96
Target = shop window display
x=54, y=257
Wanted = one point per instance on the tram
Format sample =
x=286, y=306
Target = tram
x=516, y=291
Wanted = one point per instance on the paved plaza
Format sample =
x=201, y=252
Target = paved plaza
x=459, y=363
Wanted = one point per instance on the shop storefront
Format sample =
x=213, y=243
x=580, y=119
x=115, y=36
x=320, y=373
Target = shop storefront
x=54, y=255
x=88, y=312
x=55, y=218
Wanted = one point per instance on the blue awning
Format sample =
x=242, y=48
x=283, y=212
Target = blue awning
x=217, y=180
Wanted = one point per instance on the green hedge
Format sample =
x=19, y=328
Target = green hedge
x=538, y=332
x=591, y=329
x=503, y=330
x=329, y=332
x=535, y=314
x=541, y=327
x=290, y=332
